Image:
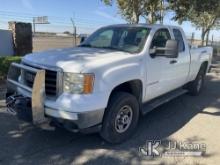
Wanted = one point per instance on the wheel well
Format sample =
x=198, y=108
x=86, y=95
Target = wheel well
x=205, y=65
x=133, y=87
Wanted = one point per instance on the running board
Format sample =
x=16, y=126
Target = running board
x=149, y=106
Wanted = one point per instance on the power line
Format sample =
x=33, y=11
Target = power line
x=30, y=15
x=22, y=18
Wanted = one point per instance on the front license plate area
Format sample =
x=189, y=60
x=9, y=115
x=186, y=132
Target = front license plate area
x=23, y=109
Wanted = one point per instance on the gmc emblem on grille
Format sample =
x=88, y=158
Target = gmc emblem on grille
x=29, y=77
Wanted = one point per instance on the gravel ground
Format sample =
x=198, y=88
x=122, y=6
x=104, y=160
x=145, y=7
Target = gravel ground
x=186, y=118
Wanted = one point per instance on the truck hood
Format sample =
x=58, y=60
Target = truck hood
x=75, y=59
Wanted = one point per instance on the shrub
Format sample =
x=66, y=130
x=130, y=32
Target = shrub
x=5, y=64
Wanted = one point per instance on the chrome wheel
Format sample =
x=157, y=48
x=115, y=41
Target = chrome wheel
x=123, y=119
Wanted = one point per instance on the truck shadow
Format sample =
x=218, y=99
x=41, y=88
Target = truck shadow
x=24, y=144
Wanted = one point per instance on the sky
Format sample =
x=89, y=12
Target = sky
x=88, y=15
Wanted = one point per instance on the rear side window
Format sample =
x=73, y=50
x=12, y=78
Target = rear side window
x=179, y=38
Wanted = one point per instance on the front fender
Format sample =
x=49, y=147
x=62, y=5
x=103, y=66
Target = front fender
x=110, y=77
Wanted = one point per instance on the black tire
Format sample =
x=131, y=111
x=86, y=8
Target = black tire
x=110, y=130
x=195, y=87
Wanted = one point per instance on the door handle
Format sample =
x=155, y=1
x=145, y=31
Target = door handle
x=173, y=61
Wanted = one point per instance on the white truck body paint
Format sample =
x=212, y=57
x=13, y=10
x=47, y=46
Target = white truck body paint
x=112, y=68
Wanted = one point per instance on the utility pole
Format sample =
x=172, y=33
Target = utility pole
x=74, y=32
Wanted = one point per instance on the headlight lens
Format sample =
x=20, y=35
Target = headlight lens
x=78, y=83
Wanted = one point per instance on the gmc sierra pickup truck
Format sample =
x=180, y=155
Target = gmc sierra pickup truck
x=103, y=85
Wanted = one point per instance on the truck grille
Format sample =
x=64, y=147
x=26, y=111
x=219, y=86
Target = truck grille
x=50, y=81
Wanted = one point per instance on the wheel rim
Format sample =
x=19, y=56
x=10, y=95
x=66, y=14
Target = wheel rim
x=123, y=119
x=199, y=84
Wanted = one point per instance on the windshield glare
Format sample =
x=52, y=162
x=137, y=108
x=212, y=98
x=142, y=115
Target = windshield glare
x=128, y=39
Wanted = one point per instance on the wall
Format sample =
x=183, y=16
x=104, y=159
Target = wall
x=22, y=37
x=6, y=43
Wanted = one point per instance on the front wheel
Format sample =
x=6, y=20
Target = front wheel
x=121, y=117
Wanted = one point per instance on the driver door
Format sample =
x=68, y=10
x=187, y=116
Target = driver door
x=161, y=71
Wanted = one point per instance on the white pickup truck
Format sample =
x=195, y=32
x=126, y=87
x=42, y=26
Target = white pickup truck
x=117, y=74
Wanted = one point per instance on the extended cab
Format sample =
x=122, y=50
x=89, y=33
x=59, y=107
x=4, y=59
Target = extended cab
x=109, y=80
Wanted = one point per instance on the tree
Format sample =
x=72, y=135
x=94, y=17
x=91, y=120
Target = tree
x=153, y=11
x=204, y=14
x=131, y=10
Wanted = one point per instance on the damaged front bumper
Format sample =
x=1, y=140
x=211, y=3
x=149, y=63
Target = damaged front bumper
x=32, y=107
x=36, y=102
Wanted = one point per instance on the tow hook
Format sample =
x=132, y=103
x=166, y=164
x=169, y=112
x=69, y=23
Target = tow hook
x=10, y=103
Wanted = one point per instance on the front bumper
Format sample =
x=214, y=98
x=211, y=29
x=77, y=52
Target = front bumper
x=81, y=120
x=64, y=109
x=37, y=91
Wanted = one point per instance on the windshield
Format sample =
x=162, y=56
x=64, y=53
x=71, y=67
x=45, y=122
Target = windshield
x=128, y=39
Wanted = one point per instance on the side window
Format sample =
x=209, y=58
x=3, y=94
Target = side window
x=179, y=38
x=160, y=38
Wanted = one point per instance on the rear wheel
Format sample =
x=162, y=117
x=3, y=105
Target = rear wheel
x=195, y=87
x=121, y=117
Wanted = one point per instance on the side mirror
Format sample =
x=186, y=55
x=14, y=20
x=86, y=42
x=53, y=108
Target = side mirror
x=169, y=51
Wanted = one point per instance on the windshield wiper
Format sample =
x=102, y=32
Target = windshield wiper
x=100, y=47
x=103, y=47
x=85, y=45
x=114, y=48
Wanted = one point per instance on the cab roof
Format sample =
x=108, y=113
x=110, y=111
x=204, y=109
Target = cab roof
x=151, y=26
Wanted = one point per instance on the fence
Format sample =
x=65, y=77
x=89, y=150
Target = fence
x=45, y=42
x=51, y=38
x=212, y=41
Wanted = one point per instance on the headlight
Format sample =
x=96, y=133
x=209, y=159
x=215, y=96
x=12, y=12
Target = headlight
x=78, y=83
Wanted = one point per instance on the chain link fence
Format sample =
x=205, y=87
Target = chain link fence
x=50, y=40
x=212, y=41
